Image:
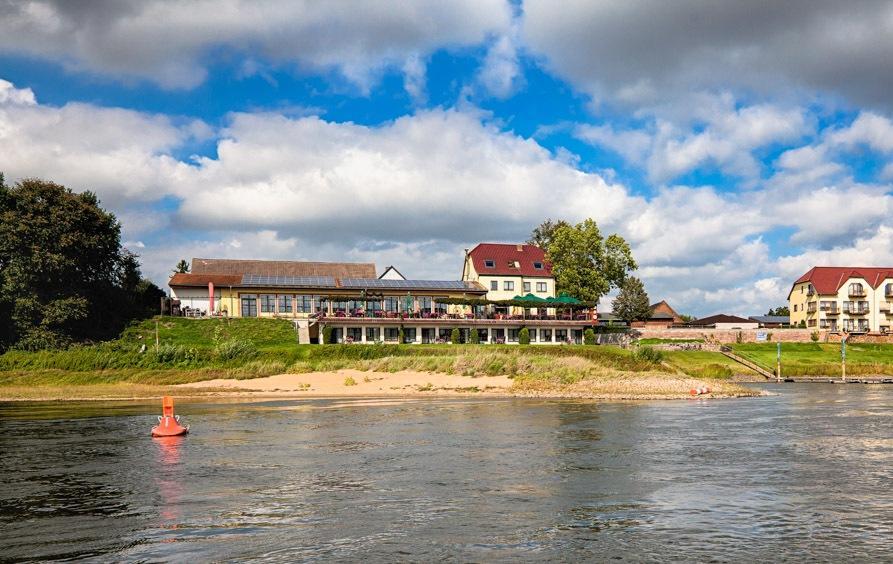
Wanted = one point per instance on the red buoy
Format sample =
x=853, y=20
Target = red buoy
x=700, y=390
x=168, y=423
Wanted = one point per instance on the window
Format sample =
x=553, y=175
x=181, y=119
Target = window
x=391, y=333
x=425, y=303
x=267, y=303
x=538, y=265
x=795, y=307
x=527, y=287
x=409, y=334
x=546, y=335
x=391, y=303
x=541, y=287
x=561, y=335
x=494, y=285
x=249, y=305
x=373, y=334
x=307, y=304
x=439, y=308
x=856, y=289
x=482, y=335
x=284, y=304
x=489, y=263
x=508, y=286
x=513, y=335
x=888, y=290
x=355, y=334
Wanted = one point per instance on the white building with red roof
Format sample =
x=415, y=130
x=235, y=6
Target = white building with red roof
x=843, y=298
x=508, y=270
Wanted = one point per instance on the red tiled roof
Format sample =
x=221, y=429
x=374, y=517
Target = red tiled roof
x=200, y=280
x=505, y=255
x=283, y=268
x=829, y=279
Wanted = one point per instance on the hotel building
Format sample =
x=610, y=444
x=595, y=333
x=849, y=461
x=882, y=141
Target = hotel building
x=850, y=299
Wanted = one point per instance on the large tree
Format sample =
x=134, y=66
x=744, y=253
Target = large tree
x=63, y=274
x=632, y=303
x=780, y=310
x=182, y=267
x=585, y=264
x=543, y=233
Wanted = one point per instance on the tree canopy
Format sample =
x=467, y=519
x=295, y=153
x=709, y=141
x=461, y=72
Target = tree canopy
x=780, y=310
x=182, y=267
x=543, y=233
x=64, y=276
x=585, y=264
x=632, y=303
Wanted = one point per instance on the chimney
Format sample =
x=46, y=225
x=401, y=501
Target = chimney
x=519, y=248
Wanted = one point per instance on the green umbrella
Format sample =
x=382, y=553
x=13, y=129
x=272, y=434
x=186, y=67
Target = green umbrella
x=528, y=298
x=565, y=299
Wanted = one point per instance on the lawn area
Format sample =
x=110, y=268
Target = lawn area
x=820, y=359
x=193, y=350
x=706, y=364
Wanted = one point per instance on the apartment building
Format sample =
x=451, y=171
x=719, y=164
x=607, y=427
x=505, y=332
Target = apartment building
x=851, y=299
x=509, y=270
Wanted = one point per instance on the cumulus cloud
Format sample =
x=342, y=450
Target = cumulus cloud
x=169, y=42
x=415, y=191
x=500, y=74
x=641, y=51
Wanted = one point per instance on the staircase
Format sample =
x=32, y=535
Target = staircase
x=752, y=365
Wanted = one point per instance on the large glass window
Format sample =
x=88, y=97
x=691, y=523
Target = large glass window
x=409, y=334
x=545, y=335
x=425, y=304
x=355, y=334
x=284, y=304
x=307, y=304
x=392, y=304
x=268, y=303
x=439, y=308
x=513, y=335
x=249, y=305
x=373, y=334
x=391, y=334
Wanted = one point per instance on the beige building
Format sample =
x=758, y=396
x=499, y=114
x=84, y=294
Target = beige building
x=509, y=270
x=843, y=299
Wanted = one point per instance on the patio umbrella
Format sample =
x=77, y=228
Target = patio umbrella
x=565, y=299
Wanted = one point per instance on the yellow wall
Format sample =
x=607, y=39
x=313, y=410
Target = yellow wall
x=878, y=305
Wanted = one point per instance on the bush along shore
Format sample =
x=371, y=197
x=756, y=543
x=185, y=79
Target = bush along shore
x=189, y=351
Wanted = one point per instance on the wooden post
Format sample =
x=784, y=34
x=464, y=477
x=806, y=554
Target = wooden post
x=843, y=358
x=778, y=364
x=156, y=335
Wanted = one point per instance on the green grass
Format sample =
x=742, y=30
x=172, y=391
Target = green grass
x=820, y=359
x=705, y=364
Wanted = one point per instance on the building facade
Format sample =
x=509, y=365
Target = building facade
x=509, y=270
x=843, y=299
x=361, y=309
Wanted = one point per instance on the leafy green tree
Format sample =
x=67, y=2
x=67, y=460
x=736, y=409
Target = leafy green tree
x=524, y=336
x=589, y=337
x=64, y=277
x=473, y=337
x=542, y=235
x=455, y=336
x=585, y=264
x=781, y=310
x=182, y=267
x=632, y=303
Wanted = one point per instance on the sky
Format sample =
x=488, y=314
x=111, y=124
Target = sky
x=733, y=144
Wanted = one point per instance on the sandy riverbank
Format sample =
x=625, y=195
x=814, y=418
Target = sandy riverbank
x=349, y=383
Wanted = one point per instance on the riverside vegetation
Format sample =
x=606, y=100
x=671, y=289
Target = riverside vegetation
x=195, y=350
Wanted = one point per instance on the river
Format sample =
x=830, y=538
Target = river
x=801, y=475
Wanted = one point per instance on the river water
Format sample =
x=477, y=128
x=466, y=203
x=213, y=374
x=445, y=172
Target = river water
x=802, y=475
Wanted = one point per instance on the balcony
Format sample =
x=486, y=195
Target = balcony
x=855, y=309
x=857, y=292
x=811, y=308
x=830, y=310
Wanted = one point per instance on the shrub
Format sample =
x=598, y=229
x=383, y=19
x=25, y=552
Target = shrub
x=473, y=336
x=176, y=354
x=769, y=337
x=400, y=336
x=236, y=348
x=739, y=337
x=327, y=335
x=524, y=336
x=814, y=336
x=455, y=336
x=802, y=324
x=349, y=381
x=589, y=337
x=648, y=354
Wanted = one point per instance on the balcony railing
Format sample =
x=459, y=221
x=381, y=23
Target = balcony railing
x=830, y=309
x=855, y=310
x=425, y=316
x=810, y=308
x=857, y=292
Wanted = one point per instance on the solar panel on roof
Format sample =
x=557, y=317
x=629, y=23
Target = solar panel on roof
x=288, y=281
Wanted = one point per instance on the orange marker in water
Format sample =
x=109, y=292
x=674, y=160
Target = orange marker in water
x=168, y=423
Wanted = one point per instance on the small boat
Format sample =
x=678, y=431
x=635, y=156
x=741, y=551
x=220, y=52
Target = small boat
x=168, y=423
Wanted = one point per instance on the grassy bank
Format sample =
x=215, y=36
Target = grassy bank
x=197, y=350
x=820, y=359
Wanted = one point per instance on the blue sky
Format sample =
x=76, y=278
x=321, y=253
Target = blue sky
x=734, y=148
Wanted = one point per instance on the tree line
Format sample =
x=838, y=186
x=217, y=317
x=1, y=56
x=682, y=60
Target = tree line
x=64, y=275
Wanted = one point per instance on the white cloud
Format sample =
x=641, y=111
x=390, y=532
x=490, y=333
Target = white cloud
x=639, y=52
x=414, y=78
x=869, y=129
x=168, y=42
x=501, y=73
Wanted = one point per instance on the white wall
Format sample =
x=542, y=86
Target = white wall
x=195, y=298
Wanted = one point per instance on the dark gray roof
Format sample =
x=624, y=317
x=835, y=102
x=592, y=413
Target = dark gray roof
x=771, y=318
